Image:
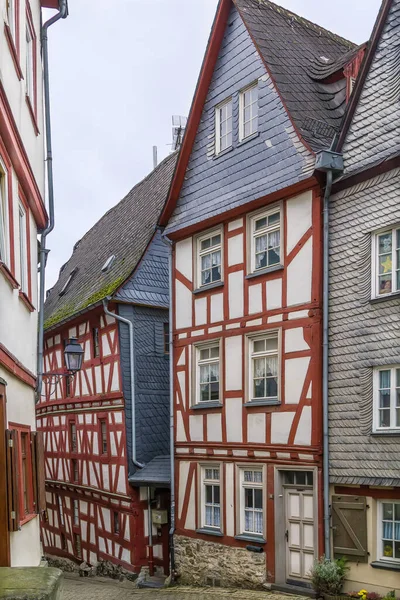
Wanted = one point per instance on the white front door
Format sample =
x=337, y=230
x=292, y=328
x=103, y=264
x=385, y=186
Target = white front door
x=300, y=551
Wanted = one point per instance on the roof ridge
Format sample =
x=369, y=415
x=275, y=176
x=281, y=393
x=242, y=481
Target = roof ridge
x=104, y=215
x=302, y=20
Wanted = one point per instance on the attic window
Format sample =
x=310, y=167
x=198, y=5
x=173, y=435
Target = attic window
x=108, y=264
x=66, y=284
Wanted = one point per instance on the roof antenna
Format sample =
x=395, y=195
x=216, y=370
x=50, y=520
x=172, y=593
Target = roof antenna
x=178, y=130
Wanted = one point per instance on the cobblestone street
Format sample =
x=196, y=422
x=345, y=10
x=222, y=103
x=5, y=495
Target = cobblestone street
x=78, y=588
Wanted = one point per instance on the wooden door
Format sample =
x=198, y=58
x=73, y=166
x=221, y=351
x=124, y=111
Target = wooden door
x=4, y=533
x=300, y=534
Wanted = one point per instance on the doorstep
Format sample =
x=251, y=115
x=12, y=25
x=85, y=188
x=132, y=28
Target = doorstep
x=298, y=590
x=30, y=583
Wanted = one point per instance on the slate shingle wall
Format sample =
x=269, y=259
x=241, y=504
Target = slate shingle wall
x=151, y=382
x=150, y=282
x=374, y=133
x=273, y=160
x=362, y=334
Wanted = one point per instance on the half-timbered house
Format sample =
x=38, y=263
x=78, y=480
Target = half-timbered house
x=23, y=215
x=364, y=364
x=244, y=215
x=106, y=430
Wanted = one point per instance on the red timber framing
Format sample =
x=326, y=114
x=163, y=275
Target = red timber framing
x=236, y=432
x=93, y=512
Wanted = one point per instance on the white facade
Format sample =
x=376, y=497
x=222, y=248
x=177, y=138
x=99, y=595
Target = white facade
x=22, y=214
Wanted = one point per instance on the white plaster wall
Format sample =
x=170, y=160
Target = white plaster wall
x=200, y=307
x=281, y=424
x=217, y=308
x=299, y=218
x=214, y=427
x=256, y=428
x=299, y=276
x=233, y=363
x=235, y=250
x=229, y=500
x=20, y=401
x=183, y=303
x=274, y=294
x=16, y=91
x=183, y=475
x=25, y=545
x=196, y=428
x=234, y=409
x=294, y=340
x=236, y=294
x=303, y=434
x=295, y=374
x=255, y=299
x=183, y=258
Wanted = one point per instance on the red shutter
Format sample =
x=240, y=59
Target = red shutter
x=38, y=471
x=13, y=491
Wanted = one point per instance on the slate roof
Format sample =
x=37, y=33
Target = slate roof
x=157, y=473
x=291, y=47
x=124, y=231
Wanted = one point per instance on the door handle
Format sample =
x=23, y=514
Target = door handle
x=287, y=535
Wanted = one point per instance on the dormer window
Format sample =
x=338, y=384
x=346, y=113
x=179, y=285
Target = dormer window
x=223, y=126
x=248, y=110
x=67, y=283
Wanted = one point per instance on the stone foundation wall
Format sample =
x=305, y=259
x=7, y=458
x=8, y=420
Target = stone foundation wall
x=199, y=563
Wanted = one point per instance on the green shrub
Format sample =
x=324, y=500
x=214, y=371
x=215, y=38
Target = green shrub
x=327, y=576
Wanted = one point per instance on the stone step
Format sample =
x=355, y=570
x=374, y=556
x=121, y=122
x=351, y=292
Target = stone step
x=298, y=590
x=152, y=582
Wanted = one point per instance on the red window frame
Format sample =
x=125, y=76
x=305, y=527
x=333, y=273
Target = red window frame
x=9, y=269
x=71, y=424
x=74, y=470
x=103, y=422
x=14, y=42
x=26, y=512
x=26, y=296
x=32, y=102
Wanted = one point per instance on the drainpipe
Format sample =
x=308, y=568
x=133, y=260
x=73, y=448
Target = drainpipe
x=167, y=241
x=329, y=162
x=137, y=464
x=150, y=526
x=62, y=14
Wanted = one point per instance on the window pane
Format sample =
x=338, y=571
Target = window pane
x=274, y=219
x=258, y=498
x=204, y=373
x=259, y=367
x=274, y=239
x=216, y=494
x=216, y=239
x=214, y=392
x=384, y=379
x=209, y=516
x=385, y=243
x=206, y=262
x=259, y=388
x=216, y=258
x=258, y=522
x=384, y=399
x=204, y=392
x=257, y=476
x=271, y=343
x=214, y=352
x=214, y=372
x=261, y=243
x=272, y=388
x=209, y=498
x=204, y=353
x=397, y=512
x=387, y=549
x=387, y=530
x=273, y=257
x=248, y=476
x=260, y=223
x=259, y=346
x=205, y=244
x=387, y=512
x=216, y=474
x=216, y=274
x=217, y=516
x=261, y=260
x=384, y=418
x=208, y=473
x=248, y=498
x=272, y=366
x=385, y=284
x=301, y=478
x=385, y=264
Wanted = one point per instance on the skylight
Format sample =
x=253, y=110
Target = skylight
x=66, y=284
x=108, y=264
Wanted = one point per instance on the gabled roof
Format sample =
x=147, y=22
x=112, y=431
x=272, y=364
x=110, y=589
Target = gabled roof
x=372, y=47
x=124, y=232
x=290, y=47
x=157, y=473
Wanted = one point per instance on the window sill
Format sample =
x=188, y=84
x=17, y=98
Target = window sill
x=262, y=403
x=223, y=153
x=384, y=298
x=206, y=288
x=215, y=532
x=25, y=300
x=389, y=566
x=27, y=518
x=251, y=137
x=13, y=51
x=247, y=537
x=9, y=277
x=388, y=433
x=206, y=405
x=264, y=271
x=32, y=114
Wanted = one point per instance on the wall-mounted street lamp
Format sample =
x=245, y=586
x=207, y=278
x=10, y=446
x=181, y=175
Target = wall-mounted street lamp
x=73, y=357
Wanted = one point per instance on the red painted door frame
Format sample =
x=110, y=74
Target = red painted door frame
x=4, y=533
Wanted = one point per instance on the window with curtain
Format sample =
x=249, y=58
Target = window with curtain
x=390, y=531
x=211, y=495
x=209, y=258
x=252, y=510
x=223, y=126
x=264, y=368
x=208, y=378
x=265, y=236
x=248, y=102
x=387, y=398
x=386, y=262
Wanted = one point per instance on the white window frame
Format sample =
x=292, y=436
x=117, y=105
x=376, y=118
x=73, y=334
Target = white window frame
x=4, y=217
x=200, y=253
x=197, y=364
x=30, y=65
x=204, y=481
x=23, y=250
x=250, y=339
x=375, y=262
x=251, y=485
x=393, y=388
x=218, y=137
x=242, y=108
x=380, y=538
x=75, y=511
x=252, y=235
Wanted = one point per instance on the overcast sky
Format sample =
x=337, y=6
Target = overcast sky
x=119, y=70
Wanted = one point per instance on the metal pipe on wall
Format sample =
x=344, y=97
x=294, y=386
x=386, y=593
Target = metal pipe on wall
x=132, y=375
x=43, y=252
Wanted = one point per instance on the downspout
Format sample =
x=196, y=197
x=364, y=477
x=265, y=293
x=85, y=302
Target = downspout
x=137, y=464
x=62, y=14
x=325, y=366
x=331, y=163
x=167, y=241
